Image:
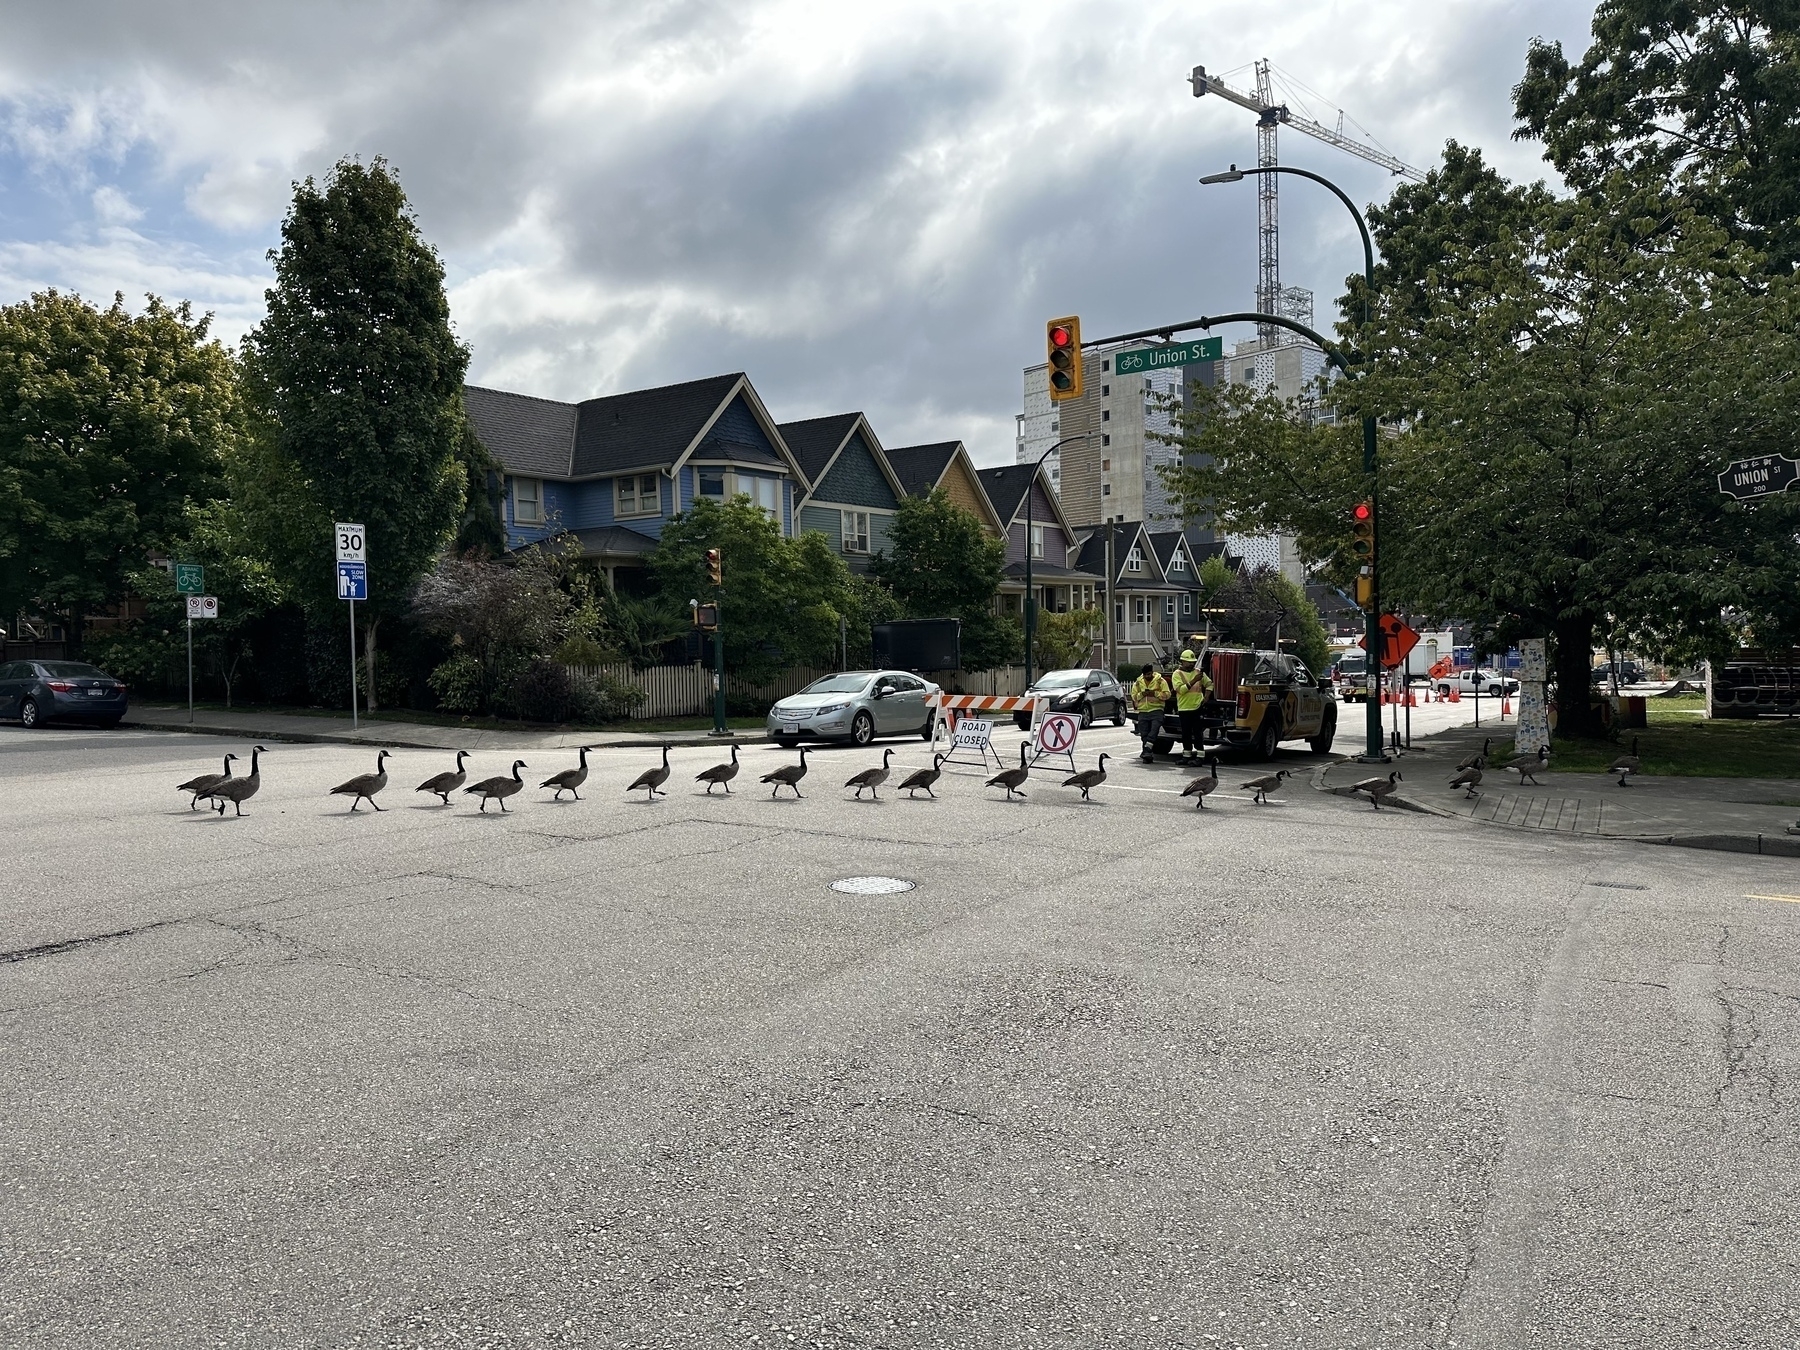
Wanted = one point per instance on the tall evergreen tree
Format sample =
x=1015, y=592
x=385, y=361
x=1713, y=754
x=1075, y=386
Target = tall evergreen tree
x=356, y=380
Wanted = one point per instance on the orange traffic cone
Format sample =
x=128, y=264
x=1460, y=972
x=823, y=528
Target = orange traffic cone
x=1455, y=695
x=1506, y=707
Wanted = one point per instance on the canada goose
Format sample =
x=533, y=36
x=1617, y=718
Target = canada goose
x=569, y=779
x=499, y=789
x=652, y=779
x=237, y=791
x=1530, y=768
x=1626, y=765
x=1475, y=760
x=443, y=784
x=204, y=782
x=721, y=774
x=1470, y=778
x=1088, y=779
x=871, y=778
x=364, y=786
x=1200, y=788
x=788, y=775
x=1013, y=779
x=1377, y=788
x=924, y=778
x=1263, y=786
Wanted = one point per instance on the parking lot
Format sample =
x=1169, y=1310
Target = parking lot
x=618, y=1072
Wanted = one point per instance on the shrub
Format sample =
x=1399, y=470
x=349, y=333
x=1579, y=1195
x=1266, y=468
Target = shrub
x=457, y=684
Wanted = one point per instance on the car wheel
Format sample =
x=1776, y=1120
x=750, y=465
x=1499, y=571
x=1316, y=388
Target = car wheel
x=28, y=713
x=1162, y=746
x=1087, y=716
x=1022, y=721
x=1443, y=691
x=862, y=729
x=1118, y=714
x=1267, y=738
x=929, y=730
x=1321, y=744
x=107, y=723
x=1494, y=691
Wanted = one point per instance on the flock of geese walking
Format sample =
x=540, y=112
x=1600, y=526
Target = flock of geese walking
x=219, y=790
x=226, y=788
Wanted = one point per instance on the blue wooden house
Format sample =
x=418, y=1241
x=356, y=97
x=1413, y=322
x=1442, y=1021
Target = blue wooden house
x=853, y=491
x=610, y=471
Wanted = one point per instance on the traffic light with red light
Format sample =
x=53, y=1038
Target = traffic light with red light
x=1062, y=344
x=1362, y=550
x=715, y=567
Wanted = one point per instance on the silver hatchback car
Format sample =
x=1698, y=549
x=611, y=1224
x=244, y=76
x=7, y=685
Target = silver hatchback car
x=856, y=706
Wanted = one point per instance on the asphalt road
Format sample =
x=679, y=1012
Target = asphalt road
x=619, y=1073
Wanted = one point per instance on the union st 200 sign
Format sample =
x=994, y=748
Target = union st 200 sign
x=1763, y=476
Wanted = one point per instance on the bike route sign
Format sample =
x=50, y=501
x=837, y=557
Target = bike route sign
x=1139, y=359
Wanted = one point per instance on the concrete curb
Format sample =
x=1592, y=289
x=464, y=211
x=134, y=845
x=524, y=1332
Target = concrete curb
x=396, y=741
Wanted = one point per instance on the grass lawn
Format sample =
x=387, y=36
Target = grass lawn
x=1682, y=743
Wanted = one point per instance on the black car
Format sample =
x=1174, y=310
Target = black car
x=36, y=692
x=1093, y=695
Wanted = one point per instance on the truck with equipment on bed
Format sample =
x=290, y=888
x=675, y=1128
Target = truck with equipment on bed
x=1259, y=699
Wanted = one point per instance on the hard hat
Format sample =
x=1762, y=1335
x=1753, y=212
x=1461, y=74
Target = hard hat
x=1187, y=656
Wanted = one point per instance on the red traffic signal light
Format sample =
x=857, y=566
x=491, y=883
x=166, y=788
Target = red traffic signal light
x=1362, y=511
x=715, y=567
x=1062, y=342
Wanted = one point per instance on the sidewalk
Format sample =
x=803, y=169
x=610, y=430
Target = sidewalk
x=258, y=724
x=1738, y=815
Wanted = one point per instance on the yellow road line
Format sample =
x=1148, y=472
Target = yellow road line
x=1791, y=899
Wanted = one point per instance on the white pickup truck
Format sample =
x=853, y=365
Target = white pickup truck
x=1488, y=682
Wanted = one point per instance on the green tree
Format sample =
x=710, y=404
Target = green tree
x=1703, y=96
x=356, y=378
x=943, y=565
x=782, y=597
x=112, y=426
x=1066, y=639
x=1252, y=606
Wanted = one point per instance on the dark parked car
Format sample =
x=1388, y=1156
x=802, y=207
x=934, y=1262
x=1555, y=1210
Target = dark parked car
x=1093, y=695
x=35, y=692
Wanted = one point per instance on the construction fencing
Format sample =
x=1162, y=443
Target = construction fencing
x=687, y=691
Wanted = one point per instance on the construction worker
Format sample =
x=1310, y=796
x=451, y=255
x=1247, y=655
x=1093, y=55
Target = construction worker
x=1149, y=695
x=1192, y=687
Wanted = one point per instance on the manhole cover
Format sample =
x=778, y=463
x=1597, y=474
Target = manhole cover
x=871, y=886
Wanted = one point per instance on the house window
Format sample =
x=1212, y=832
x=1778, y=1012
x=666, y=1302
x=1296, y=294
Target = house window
x=1119, y=612
x=710, y=483
x=1140, y=609
x=721, y=485
x=1106, y=365
x=638, y=494
x=1168, y=607
x=528, y=501
x=766, y=493
x=1037, y=541
x=1105, y=389
x=1106, y=489
x=1187, y=602
x=856, y=531
x=1178, y=563
x=1106, y=414
x=1134, y=560
x=1106, y=440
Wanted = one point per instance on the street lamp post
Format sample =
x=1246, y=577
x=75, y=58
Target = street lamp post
x=1030, y=595
x=1372, y=619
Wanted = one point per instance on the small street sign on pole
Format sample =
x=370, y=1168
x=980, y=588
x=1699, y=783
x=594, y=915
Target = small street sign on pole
x=352, y=584
x=1763, y=476
x=1140, y=359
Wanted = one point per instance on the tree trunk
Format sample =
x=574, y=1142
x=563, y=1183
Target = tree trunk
x=1575, y=717
x=369, y=662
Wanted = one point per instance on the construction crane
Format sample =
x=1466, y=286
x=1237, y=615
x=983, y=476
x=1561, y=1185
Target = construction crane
x=1294, y=303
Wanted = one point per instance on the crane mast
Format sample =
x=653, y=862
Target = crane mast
x=1270, y=115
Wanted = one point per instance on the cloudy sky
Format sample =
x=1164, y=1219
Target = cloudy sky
x=866, y=205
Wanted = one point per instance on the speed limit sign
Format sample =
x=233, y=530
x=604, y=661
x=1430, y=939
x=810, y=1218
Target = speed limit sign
x=351, y=545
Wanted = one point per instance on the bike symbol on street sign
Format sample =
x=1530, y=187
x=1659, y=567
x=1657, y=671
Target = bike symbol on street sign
x=190, y=578
x=353, y=581
x=352, y=546
x=203, y=607
x=1057, y=732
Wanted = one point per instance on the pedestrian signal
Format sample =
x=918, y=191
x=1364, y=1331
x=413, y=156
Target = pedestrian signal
x=1062, y=343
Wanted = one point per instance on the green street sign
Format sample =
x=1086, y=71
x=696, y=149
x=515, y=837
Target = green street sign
x=1140, y=359
x=190, y=579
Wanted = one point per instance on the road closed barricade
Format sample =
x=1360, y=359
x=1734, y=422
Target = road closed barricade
x=950, y=710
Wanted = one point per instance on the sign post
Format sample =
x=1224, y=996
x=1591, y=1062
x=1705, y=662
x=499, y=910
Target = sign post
x=352, y=585
x=1056, y=735
x=190, y=580
x=198, y=607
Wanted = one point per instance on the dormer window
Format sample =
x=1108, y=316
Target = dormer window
x=1037, y=541
x=528, y=501
x=1134, y=560
x=1178, y=563
x=638, y=494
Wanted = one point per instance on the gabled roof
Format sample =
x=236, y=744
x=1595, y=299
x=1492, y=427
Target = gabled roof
x=647, y=428
x=824, y=439
x=1006, y=487
x=920, y=468
x=527, y=435
x=816, y=441
x=1092, y=557
x=1167, y=542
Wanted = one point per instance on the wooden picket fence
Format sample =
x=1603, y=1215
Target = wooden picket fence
x=687, y=691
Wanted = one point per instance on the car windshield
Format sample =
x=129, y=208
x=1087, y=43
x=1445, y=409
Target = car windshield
x=72, y=670
x=838, y=684
x=1351, y=665
x=1062, y=679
